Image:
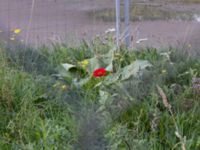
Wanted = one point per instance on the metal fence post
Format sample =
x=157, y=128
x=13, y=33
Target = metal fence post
x=117, y=22
x=127, y=22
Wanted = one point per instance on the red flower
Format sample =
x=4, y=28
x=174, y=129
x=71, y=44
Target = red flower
x=99, y=72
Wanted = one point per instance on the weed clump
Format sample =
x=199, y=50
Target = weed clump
x=51, y=100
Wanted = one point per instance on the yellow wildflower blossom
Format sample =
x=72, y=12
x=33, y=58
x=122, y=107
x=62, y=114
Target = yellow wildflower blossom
x=163, y=71
x=84, y=63
x=17, y=31
x=63, y=87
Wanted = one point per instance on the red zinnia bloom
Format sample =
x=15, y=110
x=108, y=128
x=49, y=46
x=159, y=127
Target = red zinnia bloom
x=99, y=72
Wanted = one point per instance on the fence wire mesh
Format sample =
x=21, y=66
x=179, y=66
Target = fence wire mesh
x=154, y=23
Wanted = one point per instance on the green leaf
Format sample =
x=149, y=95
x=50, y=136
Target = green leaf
x=110, y=67
x=108, y=58
x=134, y=69
x=94, y=64
x=112, y=78
x=68, y=67
x=105, y=101
x=128, y=71
x=100, y=61
x=69, y=72
x=81, y=82
x=104, y=97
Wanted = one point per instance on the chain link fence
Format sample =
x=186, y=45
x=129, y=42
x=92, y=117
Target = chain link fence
x=154, y=23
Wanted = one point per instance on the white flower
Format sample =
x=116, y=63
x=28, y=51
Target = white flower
x=110, y=30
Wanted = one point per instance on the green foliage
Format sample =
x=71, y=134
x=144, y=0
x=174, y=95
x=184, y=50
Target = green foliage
x=52, y=101
x=25, y=123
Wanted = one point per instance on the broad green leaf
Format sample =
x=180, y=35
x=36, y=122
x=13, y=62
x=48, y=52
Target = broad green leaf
x=104, y=97
x=108, y=58
x=63, y=73
x=105, y=61
x=110, y=67
x=81, y=82
x=105, y=101
x=128, y=71
x=94, y=64
x=69, y=71
x=68, y=66
x=66, y=70
x=134, y=69
x=112, y=78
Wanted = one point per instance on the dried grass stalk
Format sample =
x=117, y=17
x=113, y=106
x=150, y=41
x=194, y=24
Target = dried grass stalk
x=168, y=106
x=164, y=98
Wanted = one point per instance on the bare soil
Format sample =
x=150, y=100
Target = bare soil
x=58, y=20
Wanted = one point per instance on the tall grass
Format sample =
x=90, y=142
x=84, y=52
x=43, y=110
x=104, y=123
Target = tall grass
x=39, y=110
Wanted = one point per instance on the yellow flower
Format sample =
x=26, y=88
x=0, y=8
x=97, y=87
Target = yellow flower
x=63, y=87
x=163, y=71
x=84, y=63
x=17, y=31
